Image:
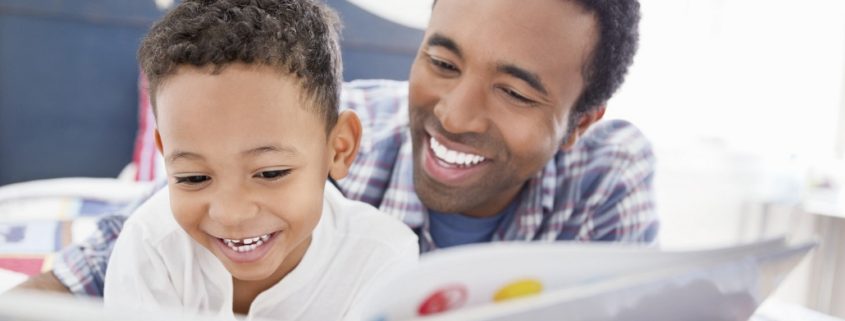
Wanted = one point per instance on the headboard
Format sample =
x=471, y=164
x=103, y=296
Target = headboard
x=68, y=79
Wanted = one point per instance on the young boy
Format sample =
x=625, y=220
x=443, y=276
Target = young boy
x=245, y=94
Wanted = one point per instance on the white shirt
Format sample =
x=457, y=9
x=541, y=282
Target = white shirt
x=354, y=246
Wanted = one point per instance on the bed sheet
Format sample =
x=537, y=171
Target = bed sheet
x=39, y=218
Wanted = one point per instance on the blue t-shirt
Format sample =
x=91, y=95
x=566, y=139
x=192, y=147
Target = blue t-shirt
x=452, y=229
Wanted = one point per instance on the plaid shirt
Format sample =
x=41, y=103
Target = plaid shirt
x=598, y=190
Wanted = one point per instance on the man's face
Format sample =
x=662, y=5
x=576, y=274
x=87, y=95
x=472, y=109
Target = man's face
x=491, y=90
x=247, y=166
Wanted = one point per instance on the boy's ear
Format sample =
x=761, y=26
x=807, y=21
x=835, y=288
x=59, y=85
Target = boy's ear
x=159, y=145
x=344, y=140
x=586, y=120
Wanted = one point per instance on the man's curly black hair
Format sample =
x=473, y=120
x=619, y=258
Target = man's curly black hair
x=618, y=22
x=297, y=37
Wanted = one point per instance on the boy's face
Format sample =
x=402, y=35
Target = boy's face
x=490, y=93
x=247, y=165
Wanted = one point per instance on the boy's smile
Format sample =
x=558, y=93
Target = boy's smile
x=248, y=249
x=248, y=159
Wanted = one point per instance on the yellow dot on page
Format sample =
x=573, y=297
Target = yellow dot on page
x=517, y=289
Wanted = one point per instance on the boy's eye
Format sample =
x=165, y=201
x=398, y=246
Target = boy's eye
x=192, y=179
x=272, y=175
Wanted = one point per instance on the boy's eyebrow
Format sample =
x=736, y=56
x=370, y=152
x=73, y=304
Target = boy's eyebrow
x=270, y=149
x=438, y=40
x=179, y=154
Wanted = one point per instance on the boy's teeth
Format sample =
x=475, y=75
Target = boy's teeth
x=246, y=245
x=453, y=157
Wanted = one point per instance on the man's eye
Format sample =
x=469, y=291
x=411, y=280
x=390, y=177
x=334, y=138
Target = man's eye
x=192, y=180
x=272, y=175
x=443, y=65
x=518, y=97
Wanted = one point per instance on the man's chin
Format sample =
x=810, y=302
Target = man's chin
x=443, y=198
x=443, y=203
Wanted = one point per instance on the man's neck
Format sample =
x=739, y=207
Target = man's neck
x=496, y=204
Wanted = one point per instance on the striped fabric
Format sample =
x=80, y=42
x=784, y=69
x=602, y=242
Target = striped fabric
x=599, y=190
x=145, y=157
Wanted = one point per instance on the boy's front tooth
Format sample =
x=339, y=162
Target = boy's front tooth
x=247, y=241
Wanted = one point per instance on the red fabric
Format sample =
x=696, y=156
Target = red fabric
x=28, y=266
x=144, y=156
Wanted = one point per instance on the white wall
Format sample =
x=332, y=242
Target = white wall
x=743, y=100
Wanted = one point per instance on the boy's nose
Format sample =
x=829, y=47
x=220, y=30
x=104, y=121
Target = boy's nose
x=231, y=208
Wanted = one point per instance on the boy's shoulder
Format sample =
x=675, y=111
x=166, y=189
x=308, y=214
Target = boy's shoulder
x=359, y=222
x=153, y=219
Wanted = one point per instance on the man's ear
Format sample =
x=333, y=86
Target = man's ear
x=344, y=140
x=584, y=122
x=159, y=145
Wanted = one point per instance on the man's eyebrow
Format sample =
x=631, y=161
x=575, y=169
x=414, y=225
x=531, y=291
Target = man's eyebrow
x=438, y=40
x=530, y=78
x=269, y=149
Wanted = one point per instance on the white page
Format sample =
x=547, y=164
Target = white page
x=473, y=275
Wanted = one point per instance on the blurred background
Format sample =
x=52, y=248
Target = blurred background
x=742, y=99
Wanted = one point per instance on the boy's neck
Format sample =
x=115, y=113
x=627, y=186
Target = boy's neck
x=245, y=292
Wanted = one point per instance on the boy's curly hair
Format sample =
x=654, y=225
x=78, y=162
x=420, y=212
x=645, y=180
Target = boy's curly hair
x=298, y=37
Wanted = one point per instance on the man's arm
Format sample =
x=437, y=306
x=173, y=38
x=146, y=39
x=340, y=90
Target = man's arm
x=43, y=282
x=81, y=268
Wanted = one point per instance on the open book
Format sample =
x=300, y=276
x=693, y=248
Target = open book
x=531, y=281
x=564, y=281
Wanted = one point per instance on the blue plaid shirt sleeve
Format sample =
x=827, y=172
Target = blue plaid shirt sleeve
x=81, y=267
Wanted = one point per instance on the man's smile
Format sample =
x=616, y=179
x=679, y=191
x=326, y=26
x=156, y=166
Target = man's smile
x=451, y=163
x=453, y=157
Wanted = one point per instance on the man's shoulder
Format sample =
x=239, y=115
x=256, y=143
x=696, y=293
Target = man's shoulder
x=612, y=158
x=380, y=104
x=379, y=96
x=612, y=142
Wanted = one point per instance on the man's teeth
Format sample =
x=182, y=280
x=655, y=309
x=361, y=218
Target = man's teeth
x=246, y=245
x=453, y=157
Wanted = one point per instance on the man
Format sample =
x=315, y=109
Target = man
x=488, y=140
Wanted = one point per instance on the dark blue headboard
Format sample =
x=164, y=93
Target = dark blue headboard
x=68, y=92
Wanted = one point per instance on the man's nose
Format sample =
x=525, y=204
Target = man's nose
x=230, y=206
x=461, y=110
